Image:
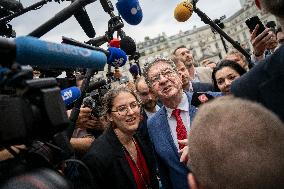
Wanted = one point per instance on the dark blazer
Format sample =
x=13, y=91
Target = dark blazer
x=264, y=83
x=202, y=87
x=107, y=162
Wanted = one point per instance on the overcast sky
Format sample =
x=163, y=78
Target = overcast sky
x=157, y=18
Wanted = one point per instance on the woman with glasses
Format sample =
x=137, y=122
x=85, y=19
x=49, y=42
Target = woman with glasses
x=120, y=158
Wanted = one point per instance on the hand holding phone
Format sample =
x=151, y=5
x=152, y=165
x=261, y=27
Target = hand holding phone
x=253, y=22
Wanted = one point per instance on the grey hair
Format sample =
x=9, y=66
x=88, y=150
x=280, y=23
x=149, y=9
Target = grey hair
x=148, y=66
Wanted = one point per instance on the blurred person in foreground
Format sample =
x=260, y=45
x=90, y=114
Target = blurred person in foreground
x=120, y=158
x=236, y=144
x=265, y=82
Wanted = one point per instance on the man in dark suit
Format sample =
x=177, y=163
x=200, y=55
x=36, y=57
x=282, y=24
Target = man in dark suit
x=265, y=82
x=187, y=85
x=149, y=104
x=169, y=126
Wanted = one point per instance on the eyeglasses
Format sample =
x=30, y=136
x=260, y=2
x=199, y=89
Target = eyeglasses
x=166, y=73
x=124, y=109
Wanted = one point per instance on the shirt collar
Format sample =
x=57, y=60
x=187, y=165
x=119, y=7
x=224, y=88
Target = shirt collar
x=183, y=106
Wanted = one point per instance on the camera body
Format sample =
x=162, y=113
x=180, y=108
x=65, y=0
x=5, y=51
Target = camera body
x=35, y=111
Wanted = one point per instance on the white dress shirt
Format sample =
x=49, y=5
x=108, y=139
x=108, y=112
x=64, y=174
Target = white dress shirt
x=184, y=107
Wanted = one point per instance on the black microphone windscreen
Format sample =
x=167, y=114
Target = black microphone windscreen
x=84, y=20
x=127, y=44
x=11, y=5
x=96, y=85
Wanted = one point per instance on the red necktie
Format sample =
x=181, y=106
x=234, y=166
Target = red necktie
x=180, y=129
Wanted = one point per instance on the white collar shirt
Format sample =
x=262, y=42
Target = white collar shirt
x=184, y=107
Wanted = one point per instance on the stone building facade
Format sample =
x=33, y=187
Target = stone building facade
x=202, y=41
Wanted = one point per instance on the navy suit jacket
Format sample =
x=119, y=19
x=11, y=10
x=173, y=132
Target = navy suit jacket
x=172, y=172
x=202, y=87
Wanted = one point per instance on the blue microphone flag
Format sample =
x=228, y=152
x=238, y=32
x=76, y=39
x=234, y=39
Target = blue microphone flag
x=130, y=11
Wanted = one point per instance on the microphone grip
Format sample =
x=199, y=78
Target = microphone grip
x=84, y=20
x=71, y=41
x=59, y=18
x=107, y=6
x=98, y=41
x=76, y=109
x=7, y=51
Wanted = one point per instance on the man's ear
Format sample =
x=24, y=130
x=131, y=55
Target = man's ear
x=192, y=182
x=257, y=3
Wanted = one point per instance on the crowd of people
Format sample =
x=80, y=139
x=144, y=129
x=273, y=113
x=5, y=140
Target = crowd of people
x=180, y=126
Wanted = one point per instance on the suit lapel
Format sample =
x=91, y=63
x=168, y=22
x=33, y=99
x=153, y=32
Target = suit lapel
x=118, y=151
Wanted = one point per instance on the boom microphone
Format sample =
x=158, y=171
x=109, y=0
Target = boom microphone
x=35, y=52
x=70, y=95
x=183, y=11
x=84, y=20
x=130, y=11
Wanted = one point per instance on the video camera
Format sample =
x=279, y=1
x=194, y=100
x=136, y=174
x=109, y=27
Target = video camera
x=33, y=114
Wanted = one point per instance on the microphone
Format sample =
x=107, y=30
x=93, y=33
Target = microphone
x=116, y=57
x=183, y=11
x=130, y=11
x=84, y=20
x=96, y=85
x=35, y=52
x=115, y=43
x=199, y=98
x=11, y=5
x=70, y=95
x=127, y=44
x=134, y=69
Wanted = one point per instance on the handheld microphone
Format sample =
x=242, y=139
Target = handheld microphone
x=116, y=57
x=84, y=20
x=183, y=11
x=96, y=85
x=114, y=43
x=128, y=45
x=200, y=98
x=130, y=11
x=134, y=69
x=35, y=52
x=70, y=95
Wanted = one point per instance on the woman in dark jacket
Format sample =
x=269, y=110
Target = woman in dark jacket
x=120, y=158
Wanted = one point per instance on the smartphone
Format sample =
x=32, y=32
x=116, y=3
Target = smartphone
x=252, y=22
